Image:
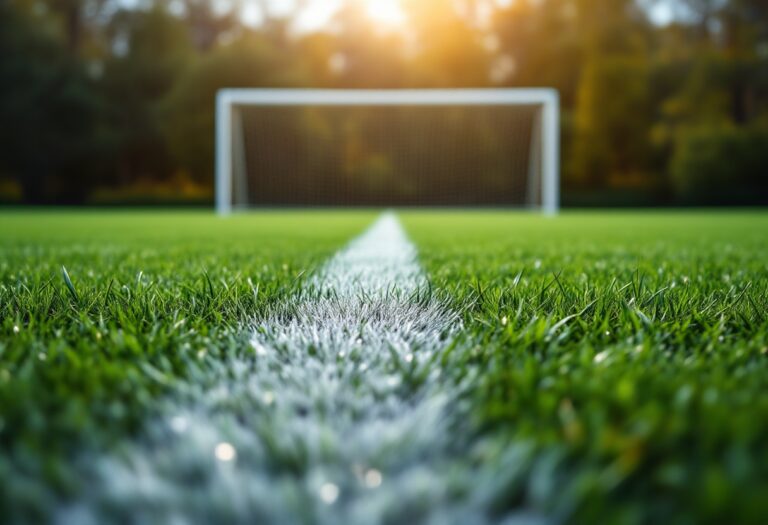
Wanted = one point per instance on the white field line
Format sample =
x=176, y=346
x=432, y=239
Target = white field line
x=338, y=417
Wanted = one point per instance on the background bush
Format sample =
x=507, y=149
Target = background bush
x=722, y=165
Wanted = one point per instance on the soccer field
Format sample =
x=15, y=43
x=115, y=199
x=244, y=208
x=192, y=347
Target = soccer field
x=445, y=367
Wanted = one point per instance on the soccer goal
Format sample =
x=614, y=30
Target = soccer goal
x=426, y=147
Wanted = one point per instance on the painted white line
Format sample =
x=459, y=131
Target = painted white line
x=338, y=417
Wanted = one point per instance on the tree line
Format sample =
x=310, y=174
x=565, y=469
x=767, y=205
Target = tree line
x=100, y=102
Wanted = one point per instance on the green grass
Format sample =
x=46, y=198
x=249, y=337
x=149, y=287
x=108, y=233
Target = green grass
x=619, y=357
x=156, y=296
x=627, y=352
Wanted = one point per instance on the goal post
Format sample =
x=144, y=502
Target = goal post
x=244, y=154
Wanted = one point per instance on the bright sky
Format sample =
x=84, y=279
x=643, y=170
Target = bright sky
x=318, y=13
x=661, y=13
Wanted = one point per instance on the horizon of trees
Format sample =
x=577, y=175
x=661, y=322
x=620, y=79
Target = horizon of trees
x=101, y=103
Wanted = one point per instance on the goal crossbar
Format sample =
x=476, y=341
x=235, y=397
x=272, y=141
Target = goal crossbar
x=229, y=101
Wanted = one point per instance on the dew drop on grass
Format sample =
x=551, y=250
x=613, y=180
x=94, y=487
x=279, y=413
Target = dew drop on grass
x=599, y=358
x=408, y=358
x=179, y=424
x=16, y=329
x=259, y=348
x=268, y=398
x=373, y=478
x=225, y=452
x=329, y=493
x=504, y=321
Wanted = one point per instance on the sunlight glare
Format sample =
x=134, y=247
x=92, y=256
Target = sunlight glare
x=386, y=12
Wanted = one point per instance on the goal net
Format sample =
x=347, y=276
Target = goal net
x=462, y=148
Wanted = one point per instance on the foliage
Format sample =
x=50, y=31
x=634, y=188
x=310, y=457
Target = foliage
x=188, y=110
x=725, y=165
x=607, y=143
x=48, y=113
x=154, y=50
x=110, y=95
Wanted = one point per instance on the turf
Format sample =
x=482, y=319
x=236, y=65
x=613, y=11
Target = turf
x=626, y=353
x=154, y=296
x=622, y=356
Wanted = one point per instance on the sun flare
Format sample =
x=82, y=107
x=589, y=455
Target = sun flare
x=385, y=12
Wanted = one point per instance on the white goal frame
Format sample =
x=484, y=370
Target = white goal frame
x=545, y=144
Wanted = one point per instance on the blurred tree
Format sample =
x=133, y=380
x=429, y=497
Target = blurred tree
x=724, y=165
x=446, y=48
x=714, y=95
x=93, y=93
x=361, y=56
x=205, y=26
x=555, y=58
x=76, y=21
x=151, y=50
x=188, y=111
x=48, y=112
x=610, y=147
